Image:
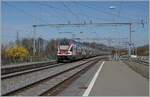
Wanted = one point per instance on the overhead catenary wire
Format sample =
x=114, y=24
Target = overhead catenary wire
x=26, y=13
x=69, y=10
x=82, y=12
x=88, y=16
x=55, y=10
x=104, y=12
x=48, y=13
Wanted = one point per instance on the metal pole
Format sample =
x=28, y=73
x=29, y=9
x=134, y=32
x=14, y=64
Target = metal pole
x=130, y=41
x=17, y=38
x=34, y=31
x=137, y=51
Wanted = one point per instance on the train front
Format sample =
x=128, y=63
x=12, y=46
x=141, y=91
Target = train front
x=65, y=50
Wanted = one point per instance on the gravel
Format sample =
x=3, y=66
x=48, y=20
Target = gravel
x=40, y=88
x=17, y=82
x=78, y=87
x=142, y=69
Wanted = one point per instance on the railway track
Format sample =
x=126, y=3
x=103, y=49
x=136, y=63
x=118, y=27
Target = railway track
x=8, y=69
x=20, y=70
x=45, y=85
x=30, y=70
x=72, y=77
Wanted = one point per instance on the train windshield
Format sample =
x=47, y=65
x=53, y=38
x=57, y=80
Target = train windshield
x=64, y=47
x=64, y=42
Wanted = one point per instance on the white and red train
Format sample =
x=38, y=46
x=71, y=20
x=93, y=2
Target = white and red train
x=69, y=50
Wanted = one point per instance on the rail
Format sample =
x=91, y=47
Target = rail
x=26, y=66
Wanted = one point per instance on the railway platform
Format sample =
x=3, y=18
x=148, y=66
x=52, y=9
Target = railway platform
x=115, y=78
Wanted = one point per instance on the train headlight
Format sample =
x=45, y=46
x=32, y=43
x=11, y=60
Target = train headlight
x=69, y=53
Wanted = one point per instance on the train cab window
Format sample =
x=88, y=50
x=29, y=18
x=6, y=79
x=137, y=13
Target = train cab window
x=64, y=42
x=71, y=49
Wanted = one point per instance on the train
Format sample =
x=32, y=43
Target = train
x=71, y=50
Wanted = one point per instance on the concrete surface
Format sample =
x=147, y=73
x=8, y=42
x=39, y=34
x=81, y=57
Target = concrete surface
x=117, y=79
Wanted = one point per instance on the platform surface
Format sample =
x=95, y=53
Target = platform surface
x=117, y=79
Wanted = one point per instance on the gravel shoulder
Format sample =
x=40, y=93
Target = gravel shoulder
x=142, y=69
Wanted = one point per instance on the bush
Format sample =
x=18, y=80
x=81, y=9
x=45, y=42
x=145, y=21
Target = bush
x=18, y=53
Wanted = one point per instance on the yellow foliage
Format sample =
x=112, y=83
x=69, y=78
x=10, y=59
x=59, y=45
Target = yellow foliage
x=17, y=52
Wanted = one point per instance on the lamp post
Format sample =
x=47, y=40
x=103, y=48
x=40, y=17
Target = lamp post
x=116, y=50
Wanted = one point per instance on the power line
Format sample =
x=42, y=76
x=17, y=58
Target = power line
x=93, y=8
x=85, y=15
x=55, y=10
x=69, y=10
x=94, y=17
x=120, y=8
x=88, y=16
x=51, y=6
x=108, y=13
x=60, y=9
x=26, y=13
